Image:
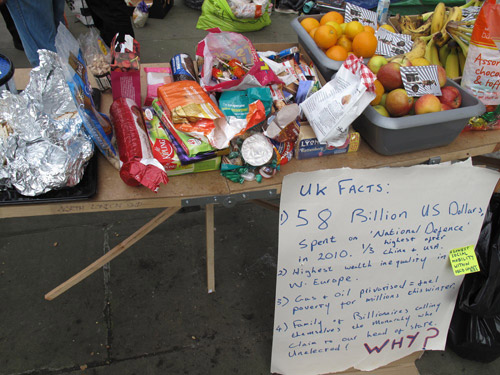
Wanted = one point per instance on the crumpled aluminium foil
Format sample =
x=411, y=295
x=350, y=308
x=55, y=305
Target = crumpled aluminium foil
x=48, y=148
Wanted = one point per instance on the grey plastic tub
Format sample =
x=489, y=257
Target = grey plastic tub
x=397, y=135
x=326, y=66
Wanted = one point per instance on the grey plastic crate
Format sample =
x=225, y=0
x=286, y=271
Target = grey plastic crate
x=397, y=135
x=326, y=66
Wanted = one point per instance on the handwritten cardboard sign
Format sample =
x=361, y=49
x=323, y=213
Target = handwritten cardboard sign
x=463, y=260
x=363, y=277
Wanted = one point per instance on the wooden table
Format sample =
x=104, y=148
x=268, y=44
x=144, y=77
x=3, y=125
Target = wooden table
x=209, y=188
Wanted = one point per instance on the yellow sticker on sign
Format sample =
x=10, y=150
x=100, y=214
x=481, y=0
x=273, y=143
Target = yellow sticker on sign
x=463, y=260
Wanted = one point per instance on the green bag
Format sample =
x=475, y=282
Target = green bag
x=217, y=13
x=408, y=7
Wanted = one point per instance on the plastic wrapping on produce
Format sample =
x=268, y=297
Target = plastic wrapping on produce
x=43, y=146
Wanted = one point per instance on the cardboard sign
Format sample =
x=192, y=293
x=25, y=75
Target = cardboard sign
x=363, y=275
x=420, y=80
x=392, y=44
x=464, y=260
x=365, y=16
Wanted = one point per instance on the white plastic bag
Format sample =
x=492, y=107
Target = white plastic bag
x=337, y=104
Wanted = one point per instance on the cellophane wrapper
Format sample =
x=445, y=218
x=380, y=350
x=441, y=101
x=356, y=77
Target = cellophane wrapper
x=43, y=146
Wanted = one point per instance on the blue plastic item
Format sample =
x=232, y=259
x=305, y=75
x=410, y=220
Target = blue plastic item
x=6, y=74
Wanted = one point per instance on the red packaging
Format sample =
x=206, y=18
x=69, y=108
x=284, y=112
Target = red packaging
x=125, y=69
x=138, y=165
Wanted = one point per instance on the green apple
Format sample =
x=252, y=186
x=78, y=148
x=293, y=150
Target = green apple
x=376, y=62
x=381, y=109
x=384, y=98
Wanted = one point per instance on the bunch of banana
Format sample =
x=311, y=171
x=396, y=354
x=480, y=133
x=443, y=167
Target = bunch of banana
x=461, y=34
x=414, y=26
x=441, y=35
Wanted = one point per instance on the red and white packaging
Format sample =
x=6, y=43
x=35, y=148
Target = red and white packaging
x=137, y=163
x=125, y=69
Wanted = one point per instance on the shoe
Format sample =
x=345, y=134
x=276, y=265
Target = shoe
x=18, y=45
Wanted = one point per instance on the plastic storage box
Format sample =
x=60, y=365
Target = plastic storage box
x=397, y=135
x=326, y=66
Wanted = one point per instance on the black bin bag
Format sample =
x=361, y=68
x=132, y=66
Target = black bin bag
x=475, y=326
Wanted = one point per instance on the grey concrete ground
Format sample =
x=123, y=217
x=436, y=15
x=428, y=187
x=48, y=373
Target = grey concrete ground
x=148, y=311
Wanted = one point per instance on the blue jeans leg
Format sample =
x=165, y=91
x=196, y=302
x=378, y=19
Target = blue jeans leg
x=36, y=22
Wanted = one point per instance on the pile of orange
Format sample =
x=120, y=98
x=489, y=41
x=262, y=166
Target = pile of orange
x=337, y=39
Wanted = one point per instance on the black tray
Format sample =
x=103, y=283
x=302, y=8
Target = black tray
x=85, y=189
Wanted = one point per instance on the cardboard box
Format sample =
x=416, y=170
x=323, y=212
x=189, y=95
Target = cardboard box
x=308, y=146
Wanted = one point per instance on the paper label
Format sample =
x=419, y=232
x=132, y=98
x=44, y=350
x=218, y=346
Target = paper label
x=365, y=16
x=392, y=44
x=420, y=80
x=463, y=260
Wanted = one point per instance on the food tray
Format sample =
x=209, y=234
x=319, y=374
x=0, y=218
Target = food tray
x=84, y=190
x=326, y=66
x=397, y=135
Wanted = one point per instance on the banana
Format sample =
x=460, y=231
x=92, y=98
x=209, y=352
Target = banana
x=452, y=66
x=435, y=55
x=428, y=50
x=442, y=36
x=438, y=18
x=418, y=49
x=443, y=53
x=461, y=61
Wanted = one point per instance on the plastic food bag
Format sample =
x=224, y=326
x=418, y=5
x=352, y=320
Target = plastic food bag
x=481, y=74
x=218, y=13
x=191, y=111
x=475, y=327
x=219, y=45
x=245, y=109
x=97, y=57
x=96, y=124
x=248, y=8
x=333, y=108
x=140, y=14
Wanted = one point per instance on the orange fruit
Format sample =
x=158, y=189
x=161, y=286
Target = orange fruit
x=325, y=36
x=332, y=16
x=364, y=44
x=345, y=42
x=369, y=28
x=309, y=23
x=353, y=28
x=379, y=91
x=337, y=53
x=312, y=32
x=336, y=26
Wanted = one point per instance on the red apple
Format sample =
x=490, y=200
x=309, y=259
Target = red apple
x=445, y=107
x=376, y=62
x=390, y=76
x=427, y=103
x=441, y=75
x=398, y=103
x=451, y=95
